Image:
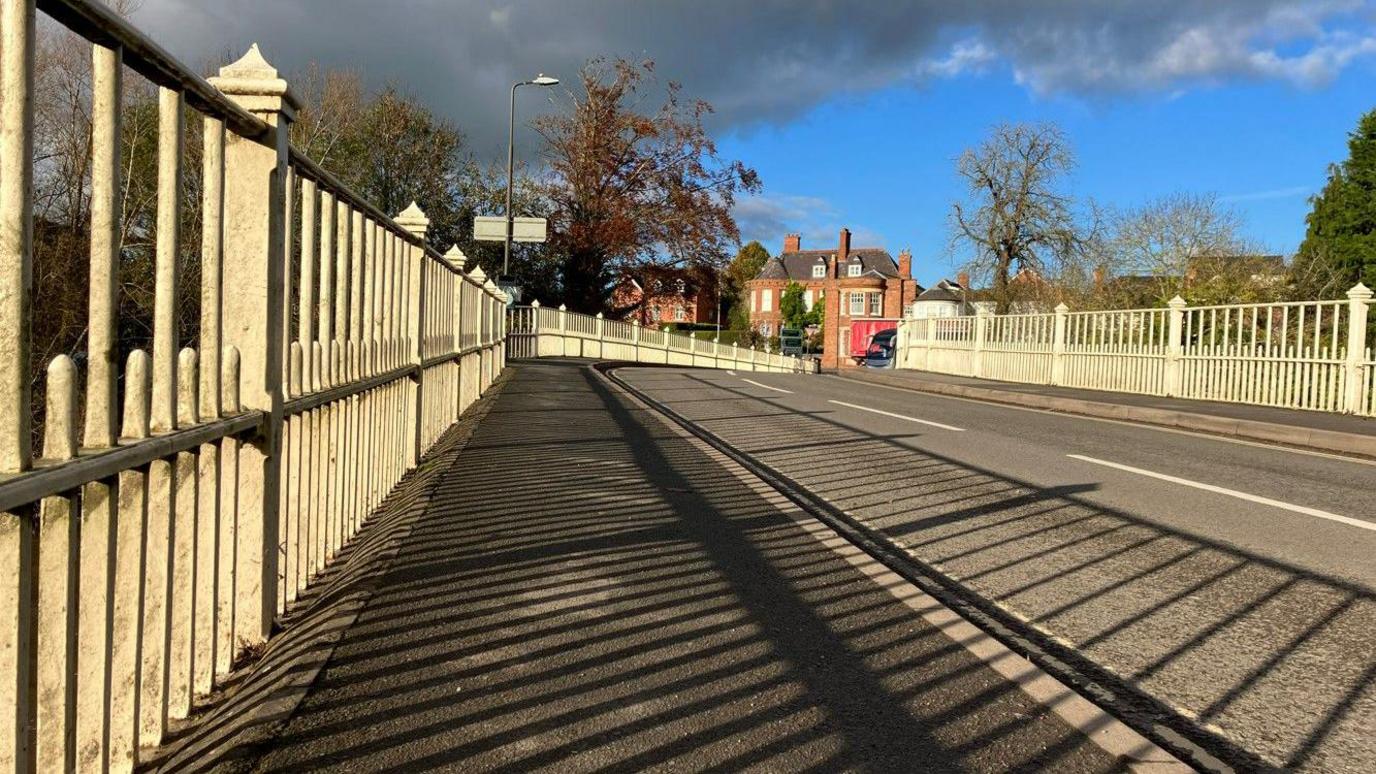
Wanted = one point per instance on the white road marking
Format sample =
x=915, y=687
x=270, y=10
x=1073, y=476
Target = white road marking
x=898, y=416
x=1307, y=511
x=767, y=387
x=1125, y=423
x=1101, y=728
x=729, y=371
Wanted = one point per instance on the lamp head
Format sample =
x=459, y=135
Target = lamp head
x=544, y=80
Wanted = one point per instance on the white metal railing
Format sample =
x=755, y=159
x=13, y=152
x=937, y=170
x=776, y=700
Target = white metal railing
x=1305, y=355
x=537, y=331
x=163, y=526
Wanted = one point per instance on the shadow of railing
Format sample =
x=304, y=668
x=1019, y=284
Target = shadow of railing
x=588, y=589
x=1277, y=657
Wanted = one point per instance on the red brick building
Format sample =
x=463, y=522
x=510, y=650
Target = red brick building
x=673, y=296
x=852, y=283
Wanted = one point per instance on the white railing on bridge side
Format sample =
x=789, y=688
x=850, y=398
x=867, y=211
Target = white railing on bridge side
x=1314, y=355
x=537, y=331
x=165, y=523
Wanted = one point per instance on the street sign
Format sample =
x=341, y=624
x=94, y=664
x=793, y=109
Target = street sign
x=492, y=228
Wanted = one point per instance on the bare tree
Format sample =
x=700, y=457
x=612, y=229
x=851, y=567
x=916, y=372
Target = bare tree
x=1183, y=243
x=1017, y=218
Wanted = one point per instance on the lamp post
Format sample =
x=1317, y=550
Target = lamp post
x=539, y=80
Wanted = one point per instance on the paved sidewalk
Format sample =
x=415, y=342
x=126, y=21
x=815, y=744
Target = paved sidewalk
x=1343, y=433
x=588, y=589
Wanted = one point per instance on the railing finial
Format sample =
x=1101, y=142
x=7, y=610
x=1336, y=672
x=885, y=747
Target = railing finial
x=1359, y=291
x=256, y=86
x=414, y=220
x=456, y=257
x=1177, y=303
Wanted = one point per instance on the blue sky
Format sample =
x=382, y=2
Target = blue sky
x=883, y=163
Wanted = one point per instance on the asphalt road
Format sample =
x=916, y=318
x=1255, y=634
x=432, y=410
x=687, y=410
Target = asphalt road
x=591, y=589
x=1234, y=581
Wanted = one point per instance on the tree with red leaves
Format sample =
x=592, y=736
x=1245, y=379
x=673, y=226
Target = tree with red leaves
x=635, y=192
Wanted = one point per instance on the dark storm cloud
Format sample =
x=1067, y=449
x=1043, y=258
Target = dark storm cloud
x=769, y=60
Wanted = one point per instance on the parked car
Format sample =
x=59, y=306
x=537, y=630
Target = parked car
x=880, y=352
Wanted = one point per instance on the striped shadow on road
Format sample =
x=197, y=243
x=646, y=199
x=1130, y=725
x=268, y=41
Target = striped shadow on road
x=1277, y=655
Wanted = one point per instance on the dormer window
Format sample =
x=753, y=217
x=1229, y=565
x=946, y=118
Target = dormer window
x=819, y=271
x=853, y=270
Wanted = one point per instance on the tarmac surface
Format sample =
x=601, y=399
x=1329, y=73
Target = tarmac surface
x=588, y=588
x=1231, y=580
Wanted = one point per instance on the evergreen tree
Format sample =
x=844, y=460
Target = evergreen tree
x=1339, y=247
x=749, y=260
x=792, y=307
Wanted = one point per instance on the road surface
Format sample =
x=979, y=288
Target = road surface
x=590, y=589
x=1231, y=580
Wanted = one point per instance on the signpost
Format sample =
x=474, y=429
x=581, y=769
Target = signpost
x=492, y=228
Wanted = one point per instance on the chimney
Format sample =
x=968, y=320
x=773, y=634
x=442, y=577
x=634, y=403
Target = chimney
x=793, y=243
x=831, y=267
x=963, y=279
x=843, y=245
x=905, y=264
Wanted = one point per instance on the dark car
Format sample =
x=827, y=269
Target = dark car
x=880, y=352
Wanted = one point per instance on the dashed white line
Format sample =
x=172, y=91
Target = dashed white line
x=1307, y=511
x=897, y=416
x=733, y=373
x=767, y=387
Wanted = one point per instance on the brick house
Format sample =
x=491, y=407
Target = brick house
x=673, y=296
x=852, y=283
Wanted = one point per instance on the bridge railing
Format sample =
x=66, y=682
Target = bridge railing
x=179, y=503
x=1314, y=355
x=538, y=331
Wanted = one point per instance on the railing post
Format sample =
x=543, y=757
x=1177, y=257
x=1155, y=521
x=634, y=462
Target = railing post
x=635, y=339
x=1358, y=299
x=981, y=331
x=563, y=330
x=1175, y=347
x=415, y=222
x=1058, y=344
x=601, y=343
x=535, y=327
x=255, y=176
x=489, y=356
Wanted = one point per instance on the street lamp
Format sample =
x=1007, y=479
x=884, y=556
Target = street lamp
x=539, y=80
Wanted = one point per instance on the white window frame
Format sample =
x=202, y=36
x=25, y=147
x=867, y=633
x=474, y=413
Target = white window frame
x=857, y=300
x=767, y=300
x=755, y=300
x=875, y=304
x=819, y=271
x=853, y=270
x=807, y=299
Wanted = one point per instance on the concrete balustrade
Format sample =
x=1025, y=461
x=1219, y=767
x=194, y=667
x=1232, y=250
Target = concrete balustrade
x=537, y=331
x=149, y=545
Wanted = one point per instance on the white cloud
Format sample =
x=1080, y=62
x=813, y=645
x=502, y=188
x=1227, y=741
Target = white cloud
x=967, y=56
